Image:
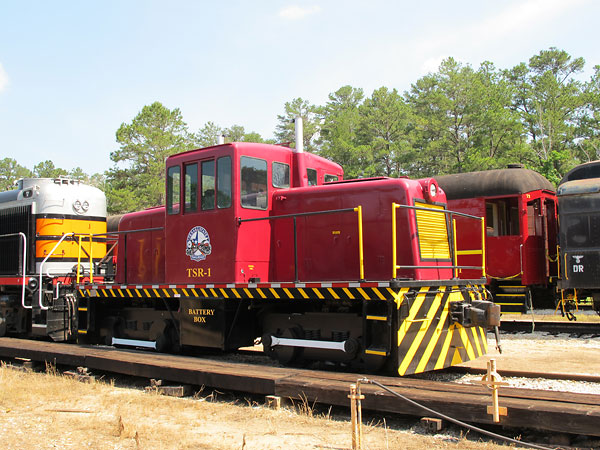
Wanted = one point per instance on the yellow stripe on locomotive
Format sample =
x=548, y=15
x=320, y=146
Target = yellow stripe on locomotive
x=51, y=230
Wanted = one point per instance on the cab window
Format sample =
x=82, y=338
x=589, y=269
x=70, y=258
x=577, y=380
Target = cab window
x=224, y=182
x=253, y=183
x=330, y=178
x=281, y=175
x=208, y=185
x=312, y=177
x=173, y=189
x=190, y=188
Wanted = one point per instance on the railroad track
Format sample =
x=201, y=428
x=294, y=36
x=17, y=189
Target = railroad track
x=574, y=328
x=587, y=378
x=532, y=409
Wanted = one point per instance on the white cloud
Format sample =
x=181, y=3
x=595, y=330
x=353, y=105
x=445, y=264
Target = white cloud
x=296, y=12
x=3, y=78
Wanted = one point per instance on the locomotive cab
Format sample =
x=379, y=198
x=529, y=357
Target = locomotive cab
x=211, y=190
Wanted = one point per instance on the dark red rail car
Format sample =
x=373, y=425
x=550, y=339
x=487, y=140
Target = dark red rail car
x=519, y=207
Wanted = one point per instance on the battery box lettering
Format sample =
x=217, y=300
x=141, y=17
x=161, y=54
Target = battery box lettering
x=198, y=272
x=200, y=315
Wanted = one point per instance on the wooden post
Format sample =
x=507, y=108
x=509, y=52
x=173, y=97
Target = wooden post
x=493, y=380
x=356, y=416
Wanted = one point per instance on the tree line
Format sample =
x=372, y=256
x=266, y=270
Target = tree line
x=458, y=119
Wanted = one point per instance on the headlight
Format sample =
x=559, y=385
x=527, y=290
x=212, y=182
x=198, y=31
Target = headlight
x=432, y=190
x=81, y=207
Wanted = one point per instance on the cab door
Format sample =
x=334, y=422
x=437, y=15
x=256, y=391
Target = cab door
x=550, y=237
x=200, y=225
x=535, y=244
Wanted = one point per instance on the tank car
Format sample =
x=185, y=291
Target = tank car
x=579, y=236
x=259, y=243
x=519, y=207
x=41, y=222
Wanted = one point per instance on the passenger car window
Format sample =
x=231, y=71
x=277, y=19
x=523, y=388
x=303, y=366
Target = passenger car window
x=253, y=183
x=173, y=189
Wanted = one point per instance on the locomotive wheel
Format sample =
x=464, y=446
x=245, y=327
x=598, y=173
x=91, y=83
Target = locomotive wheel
x=166, y=339
x=285, y=355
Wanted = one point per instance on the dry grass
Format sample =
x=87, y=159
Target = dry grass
x=49, y=411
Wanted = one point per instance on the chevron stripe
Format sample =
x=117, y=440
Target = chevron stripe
x=426, y=341
x=420, y=334
x=330, y=293
x=433, y=340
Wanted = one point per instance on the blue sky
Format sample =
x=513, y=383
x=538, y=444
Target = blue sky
x=72, y=71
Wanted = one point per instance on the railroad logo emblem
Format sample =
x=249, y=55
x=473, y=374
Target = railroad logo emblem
x=578, y=258
x=198, y=244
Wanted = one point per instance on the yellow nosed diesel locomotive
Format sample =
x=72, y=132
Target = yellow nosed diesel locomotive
x=42, y=222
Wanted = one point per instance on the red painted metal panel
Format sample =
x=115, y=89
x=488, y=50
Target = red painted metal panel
x=141, y=255
x=328, y=244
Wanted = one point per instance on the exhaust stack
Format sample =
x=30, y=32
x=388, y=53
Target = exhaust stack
x=299, y=135
x=300, y=177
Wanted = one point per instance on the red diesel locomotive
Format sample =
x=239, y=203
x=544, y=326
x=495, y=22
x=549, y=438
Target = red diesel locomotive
x=519, y=207
x=261, y=243
x=256, y=243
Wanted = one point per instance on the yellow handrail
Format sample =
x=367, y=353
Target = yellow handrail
x=78, y=258
x=457, y=252
x=481, y=252
x=361, y=255
x=395, y=206
x=81, y=236
x=455, y=270
x=482, y=247
x=91, y=261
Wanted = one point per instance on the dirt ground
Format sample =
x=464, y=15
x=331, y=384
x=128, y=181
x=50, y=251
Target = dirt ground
x=40, y=411
x=51, y=411
x=541, y=352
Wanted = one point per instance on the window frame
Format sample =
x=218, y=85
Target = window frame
x=193, y=192
x=279, y=163
x=203, y=192
x=315, y=171
x=229, y=184
x=266, y=184
x=173, y=193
